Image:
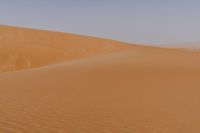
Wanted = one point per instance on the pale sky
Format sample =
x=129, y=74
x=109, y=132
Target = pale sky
x=135, y=21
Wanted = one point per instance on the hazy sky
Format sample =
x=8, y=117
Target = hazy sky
x=137, y=21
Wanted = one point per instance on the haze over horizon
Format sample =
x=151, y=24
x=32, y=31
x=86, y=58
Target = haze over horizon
x=135, y=21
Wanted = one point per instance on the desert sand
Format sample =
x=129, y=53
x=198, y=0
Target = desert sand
x=53, y=82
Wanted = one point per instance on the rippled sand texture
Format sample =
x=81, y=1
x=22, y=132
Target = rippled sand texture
x=115, y=88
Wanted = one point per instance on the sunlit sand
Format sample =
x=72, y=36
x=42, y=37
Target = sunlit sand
x=53, y=82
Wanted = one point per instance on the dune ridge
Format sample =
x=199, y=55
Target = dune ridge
x=23, y=48
x=132, y=89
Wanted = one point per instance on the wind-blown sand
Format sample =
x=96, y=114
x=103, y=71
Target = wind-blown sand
x=79, y=84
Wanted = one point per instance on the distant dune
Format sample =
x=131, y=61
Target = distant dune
x=190, y=46
x=24, y=48
x=77, y=84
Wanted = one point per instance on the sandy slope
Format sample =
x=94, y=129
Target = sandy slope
x=136, y=90
x=24, y=48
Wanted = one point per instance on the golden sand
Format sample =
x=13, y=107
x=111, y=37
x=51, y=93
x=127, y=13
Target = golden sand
x=77, y=84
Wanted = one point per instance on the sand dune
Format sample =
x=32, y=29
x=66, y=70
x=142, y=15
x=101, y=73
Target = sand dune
x=114, y=89
x=24, y=48
x=190, y=46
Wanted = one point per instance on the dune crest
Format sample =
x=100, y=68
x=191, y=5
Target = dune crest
x=22, y=48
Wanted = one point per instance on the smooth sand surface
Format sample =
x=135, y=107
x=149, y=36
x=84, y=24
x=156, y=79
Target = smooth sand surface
x=22, y=48
x=115, y=88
